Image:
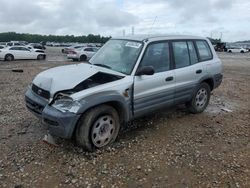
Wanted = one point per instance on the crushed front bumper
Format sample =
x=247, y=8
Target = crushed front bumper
x=59, y=123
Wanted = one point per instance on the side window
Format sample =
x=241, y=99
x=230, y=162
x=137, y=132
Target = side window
x=14, y=48
x=204, y=50
x=192, y=52
x=181, y=56
x=157, y=55
x=88, y=49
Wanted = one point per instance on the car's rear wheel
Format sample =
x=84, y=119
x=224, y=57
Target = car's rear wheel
x=230, y=51
x=9, y=57
x=83, y=58
x=200, y=99
x=98, y=127
x=41, y=57
x=241, y=51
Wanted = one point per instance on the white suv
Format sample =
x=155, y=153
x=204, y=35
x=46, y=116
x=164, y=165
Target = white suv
x=126, y=79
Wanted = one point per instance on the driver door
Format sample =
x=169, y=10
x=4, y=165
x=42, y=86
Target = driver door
x=152, y=92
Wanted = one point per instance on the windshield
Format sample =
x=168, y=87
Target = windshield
x=118, y=55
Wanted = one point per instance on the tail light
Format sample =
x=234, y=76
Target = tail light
x=72, y=52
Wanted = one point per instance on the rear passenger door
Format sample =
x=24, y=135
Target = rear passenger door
x=188, y=70
x=89, y=52
x=152, y=92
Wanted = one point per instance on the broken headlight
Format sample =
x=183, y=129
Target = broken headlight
x=66, y=104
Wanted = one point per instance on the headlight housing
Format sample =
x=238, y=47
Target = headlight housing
x=66, y=104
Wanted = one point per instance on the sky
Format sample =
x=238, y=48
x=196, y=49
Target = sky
x=229, y=19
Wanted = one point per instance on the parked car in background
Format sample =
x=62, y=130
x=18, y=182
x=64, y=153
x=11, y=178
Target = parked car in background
x=71, y=48
x=35, y=49
x=13, y=43
x=127, y=78
x=20, y=52
x=82, y=54
x=37, y=46
x=2, y=46
x=236, y=50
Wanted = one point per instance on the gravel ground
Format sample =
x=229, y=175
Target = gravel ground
x=171, y=148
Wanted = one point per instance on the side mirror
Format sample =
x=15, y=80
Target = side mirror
x=147, y=70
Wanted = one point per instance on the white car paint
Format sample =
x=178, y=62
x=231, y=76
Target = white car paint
x=237, y=50
x=19, y=52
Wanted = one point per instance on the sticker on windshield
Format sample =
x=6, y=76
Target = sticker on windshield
x=133, y=44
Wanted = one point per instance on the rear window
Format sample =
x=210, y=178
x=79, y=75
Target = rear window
x=204, y=50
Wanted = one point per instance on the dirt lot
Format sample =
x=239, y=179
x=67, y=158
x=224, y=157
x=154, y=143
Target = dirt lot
x=171, y=148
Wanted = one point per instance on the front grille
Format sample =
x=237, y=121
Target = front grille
x=33, y=106
x=41, y=92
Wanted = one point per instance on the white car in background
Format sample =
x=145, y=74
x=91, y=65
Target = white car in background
x=82, y=54
x=35, y=49
x=237, y=50
x=20, y=52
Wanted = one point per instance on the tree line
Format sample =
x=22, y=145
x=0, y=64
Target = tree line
x=12, y=36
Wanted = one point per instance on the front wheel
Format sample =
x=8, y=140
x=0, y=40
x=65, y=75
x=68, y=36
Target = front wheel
x=40, y=57
x=98, y=127
x=200, y=99
x=83, y=58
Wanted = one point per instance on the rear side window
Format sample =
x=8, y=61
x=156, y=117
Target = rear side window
x=14, y=48
x=204, y=50
x=181, y=56
x=157, y=56
x=88, y=49
x=192, y=52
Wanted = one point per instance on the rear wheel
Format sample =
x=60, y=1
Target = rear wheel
x=40, y=57
x=230, y=51
x=98, y=127
x=9, y=57
x=241, y=51
x=83, y=58
x=200, y=99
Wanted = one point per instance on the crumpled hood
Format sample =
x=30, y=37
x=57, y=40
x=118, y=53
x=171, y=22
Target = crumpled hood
x=67, y=77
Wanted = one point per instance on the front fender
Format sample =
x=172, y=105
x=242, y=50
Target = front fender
x=108, y=97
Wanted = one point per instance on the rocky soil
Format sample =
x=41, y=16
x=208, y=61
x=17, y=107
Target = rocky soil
x=171, y=148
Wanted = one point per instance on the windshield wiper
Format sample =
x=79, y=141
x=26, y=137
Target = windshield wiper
x=102, y=65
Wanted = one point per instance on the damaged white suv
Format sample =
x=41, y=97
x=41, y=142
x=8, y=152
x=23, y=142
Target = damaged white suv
x=127, y=78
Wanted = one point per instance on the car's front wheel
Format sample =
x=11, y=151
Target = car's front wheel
x=98, y=127
x=200, y=99
x=83, y=58
x=41, y=57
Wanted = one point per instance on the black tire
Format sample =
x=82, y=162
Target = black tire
x=41, y=57
x=242, y=51
x=102, y=120
x=9, y=57
x=230, y=51
x=83, y=58
x=200, y=99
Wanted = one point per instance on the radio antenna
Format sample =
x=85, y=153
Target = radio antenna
x=152, y=25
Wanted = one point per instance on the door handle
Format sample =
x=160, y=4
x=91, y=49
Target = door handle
x=198, y=71
x=169, y=78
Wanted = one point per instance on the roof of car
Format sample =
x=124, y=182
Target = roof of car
x=157, y=37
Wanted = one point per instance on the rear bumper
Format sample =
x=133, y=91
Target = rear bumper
x=59, y=123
